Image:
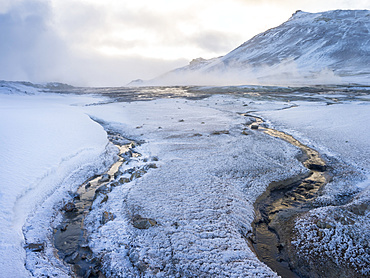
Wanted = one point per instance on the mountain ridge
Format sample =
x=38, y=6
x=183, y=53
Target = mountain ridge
x=309, y=48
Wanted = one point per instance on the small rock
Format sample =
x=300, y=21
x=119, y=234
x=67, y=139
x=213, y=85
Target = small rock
x=154, y=158
x=143, y=223
x=35, y=247
x=124, y=180
x=308, y=186
x=73, y=259
x=265, y=125
x=152, y=166
x=106, y=217
x=142, y=266
x=316, y=166
x=359, y=209
x=130, y=171
x=117, y=174
x=220, y=132
x=69, y=207
x=135, y=154
x=105, y=178
x=320, y=224
x=346, y=221
x=245, y=133
x=254, y=126
x=126, y=156
x=250, y=121
x=75, y=255
x=114, y=184
x=88, y=185
x=102, y=189
x=105, y=199
x=74, y=195
x=63, y=227
x=137, y=174
x=323, y=225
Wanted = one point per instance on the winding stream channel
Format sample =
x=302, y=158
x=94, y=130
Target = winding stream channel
x=280, y=204
x=70, y=238
x=275, y=209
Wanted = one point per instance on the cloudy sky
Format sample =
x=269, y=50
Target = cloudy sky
x=111, y=42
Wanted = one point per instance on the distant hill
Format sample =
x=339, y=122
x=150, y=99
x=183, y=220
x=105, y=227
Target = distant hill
x=310, y=48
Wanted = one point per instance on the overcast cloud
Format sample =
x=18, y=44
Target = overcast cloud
x=28, y=45
x=100, y=43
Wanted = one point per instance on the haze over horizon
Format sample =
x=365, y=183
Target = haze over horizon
x=89, y=43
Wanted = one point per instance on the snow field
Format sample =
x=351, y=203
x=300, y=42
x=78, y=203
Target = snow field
x=44, y=141
x=338, y=232
x=201, y=195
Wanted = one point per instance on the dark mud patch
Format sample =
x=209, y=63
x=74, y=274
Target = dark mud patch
x=277, y=208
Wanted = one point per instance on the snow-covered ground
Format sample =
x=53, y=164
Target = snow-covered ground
x=201, y=195
x=45, y=142
x=337, y=233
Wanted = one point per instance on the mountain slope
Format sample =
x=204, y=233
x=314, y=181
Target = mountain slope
x=327, y=47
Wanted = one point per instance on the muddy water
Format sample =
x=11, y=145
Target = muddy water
x=70, y=238
x=282, y=202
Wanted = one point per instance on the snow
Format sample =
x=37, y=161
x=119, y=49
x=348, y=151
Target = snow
x=341, y=132
x=309, y=49
x=43, y=140
x=341, y=128
x=202, y=193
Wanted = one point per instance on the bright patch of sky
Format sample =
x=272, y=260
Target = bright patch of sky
x=111, y=42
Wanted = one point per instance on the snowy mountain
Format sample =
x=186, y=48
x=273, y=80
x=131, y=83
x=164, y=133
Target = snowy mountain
x=312, y=48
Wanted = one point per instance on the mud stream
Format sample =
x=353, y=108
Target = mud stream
x=70, y=237
x=277, y=208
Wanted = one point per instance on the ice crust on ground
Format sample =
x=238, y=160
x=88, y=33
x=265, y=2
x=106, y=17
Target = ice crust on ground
x=328, y=128
x=338, y=232
x=47, y=148
x=202, y=193
x=339, y=131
